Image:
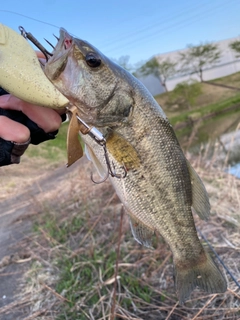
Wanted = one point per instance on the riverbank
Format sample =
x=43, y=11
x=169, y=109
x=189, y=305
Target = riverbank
x=215, y=112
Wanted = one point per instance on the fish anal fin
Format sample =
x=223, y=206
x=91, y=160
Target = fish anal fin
x=141, y=233
x=200, y=200
x=204, y=274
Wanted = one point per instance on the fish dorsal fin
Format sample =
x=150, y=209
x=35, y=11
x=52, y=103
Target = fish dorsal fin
x=141, y=233
x=97, y=164
x=200, y=200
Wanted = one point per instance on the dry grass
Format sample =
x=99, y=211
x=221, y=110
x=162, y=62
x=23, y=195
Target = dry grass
x=86, y=264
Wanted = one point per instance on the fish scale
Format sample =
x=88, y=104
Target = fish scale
x=160, y=188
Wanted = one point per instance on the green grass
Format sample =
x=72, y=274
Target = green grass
x=87, y=278
x=203, y=111
x=52, y=150
x=59, y=232
x=213, y=100
x=79, y=282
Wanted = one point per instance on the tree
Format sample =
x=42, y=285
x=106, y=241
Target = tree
x=185, y=94
x=197, y=58
x=235, y=46
x=162, y=70
x=123, y=61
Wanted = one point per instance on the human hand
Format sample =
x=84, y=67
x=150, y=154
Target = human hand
x=47, y=119
x=22, y=123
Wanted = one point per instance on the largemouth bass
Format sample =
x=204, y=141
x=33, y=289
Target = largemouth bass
x=161, y=188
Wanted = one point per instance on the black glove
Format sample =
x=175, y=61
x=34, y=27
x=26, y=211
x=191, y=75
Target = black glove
x=10, y=152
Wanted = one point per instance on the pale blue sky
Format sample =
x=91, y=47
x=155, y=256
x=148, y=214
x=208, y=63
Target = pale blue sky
x=137, y=28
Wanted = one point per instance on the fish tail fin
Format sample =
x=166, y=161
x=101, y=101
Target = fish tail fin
x=204, y=274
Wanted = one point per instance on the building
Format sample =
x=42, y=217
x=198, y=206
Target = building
x=227, y=65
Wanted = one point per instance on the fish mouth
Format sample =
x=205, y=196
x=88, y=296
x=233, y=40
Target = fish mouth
x=63, y=46
x=65, y=41
x=59, y=56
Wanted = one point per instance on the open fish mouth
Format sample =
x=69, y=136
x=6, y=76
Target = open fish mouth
x=66, y=38
x=64, y=44
x=64, y=41
x=57, y=61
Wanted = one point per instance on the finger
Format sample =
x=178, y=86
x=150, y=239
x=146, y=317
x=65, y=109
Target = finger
x=7, y=101
x=47, y=119
x=11, y=130
x=40, y=55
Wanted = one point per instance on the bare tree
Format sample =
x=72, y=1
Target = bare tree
x=196, y=58
x=162, y=70
x=235, y=46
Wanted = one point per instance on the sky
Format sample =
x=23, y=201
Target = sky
x=139, y=29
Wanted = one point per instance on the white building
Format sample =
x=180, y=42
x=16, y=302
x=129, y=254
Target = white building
x=227, y=65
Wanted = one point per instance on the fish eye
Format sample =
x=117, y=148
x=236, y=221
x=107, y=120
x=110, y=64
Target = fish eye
x=93, y=60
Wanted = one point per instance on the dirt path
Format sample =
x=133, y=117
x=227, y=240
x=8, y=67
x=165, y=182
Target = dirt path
x=15, y=223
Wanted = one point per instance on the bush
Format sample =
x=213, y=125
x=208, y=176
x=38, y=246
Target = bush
x=185, y=94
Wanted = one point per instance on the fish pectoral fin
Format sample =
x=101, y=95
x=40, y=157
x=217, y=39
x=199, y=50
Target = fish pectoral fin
x=141, y=233
x=123, y=151
x=200, y=199
x=203, y=274
x=97, y=164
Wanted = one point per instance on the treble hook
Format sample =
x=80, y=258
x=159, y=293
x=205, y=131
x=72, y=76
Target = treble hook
x=110, y=171
x=101, y=181
x=29, y=36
